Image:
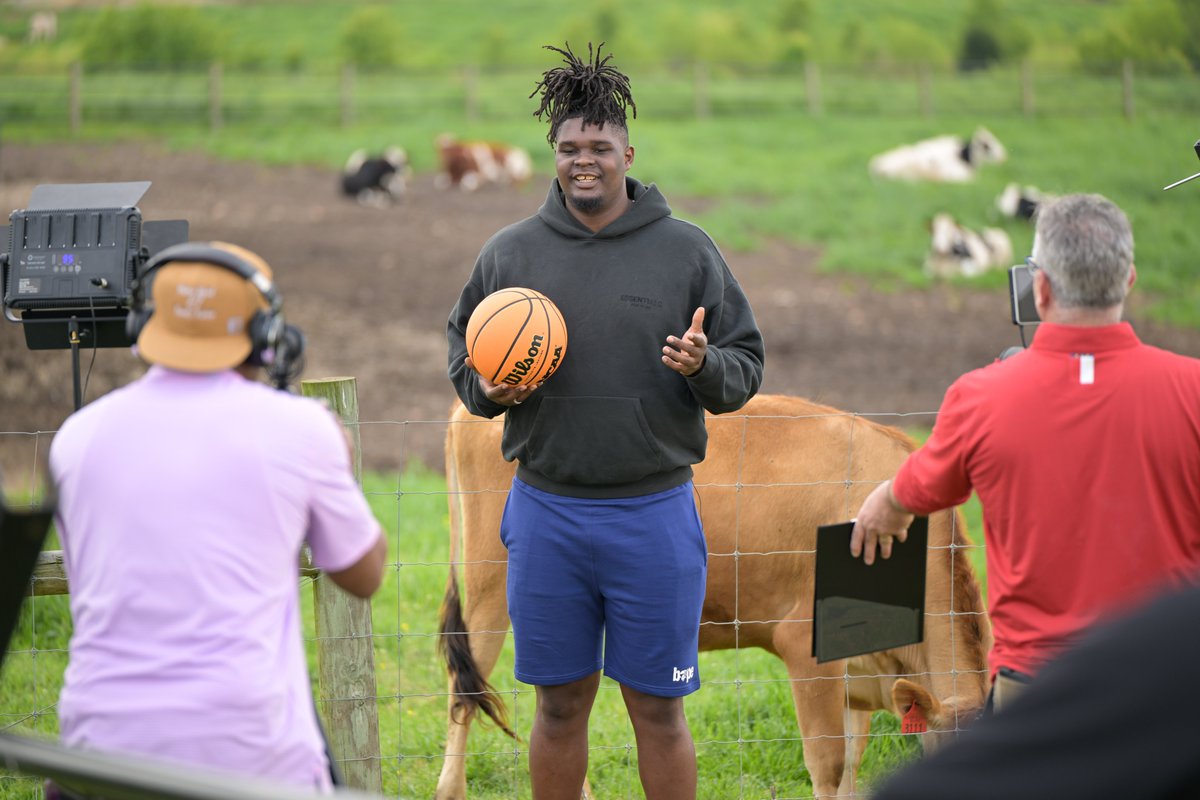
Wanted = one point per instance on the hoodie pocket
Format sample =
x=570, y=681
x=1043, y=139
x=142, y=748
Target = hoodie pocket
x=592, y=440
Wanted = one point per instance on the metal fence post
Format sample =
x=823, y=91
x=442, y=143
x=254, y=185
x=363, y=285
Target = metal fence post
x=345, y=645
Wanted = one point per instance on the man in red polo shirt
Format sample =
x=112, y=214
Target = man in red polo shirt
x=1084, y=450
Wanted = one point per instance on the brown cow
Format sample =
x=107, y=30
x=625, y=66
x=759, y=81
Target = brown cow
x=774, y=472
x=470, y=165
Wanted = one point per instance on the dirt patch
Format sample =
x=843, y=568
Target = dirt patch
x=372, y=288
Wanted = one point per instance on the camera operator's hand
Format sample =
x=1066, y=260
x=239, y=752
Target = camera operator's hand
x=502, y=393
x=882, y=521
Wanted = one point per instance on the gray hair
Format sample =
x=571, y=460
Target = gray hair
x=1085, y=246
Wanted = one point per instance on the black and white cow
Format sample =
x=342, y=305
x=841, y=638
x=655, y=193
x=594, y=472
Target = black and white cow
x=1020, y=202
x=956, y=250
x=376, y=180
x=946, y=159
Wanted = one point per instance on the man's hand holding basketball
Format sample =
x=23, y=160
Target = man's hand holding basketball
x=685, y=354
x=502, y=393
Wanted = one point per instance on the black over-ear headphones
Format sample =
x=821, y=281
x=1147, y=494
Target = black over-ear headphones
x=274, y=344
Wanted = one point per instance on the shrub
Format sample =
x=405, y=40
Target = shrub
x=370, y=38
x=1150, y=33
x=980, y=49
x=151, y=37
x=898, y=43
x=991, y=36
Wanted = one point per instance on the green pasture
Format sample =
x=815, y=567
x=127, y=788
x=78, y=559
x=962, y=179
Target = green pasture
x=743, y=721
x=772, y=133
x=765, y=164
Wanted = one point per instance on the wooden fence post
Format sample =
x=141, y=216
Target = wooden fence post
x=925, y=90
x=347, y=95
x=700, y=99
x=1127, y=88
x=1027, y=99
x=76, y=97
x=345, y=645
x=214, y=96
x=812, y=87
x=471, y=93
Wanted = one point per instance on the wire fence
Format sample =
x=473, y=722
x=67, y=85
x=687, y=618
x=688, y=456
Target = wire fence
x=214, y=95
x=744, y=720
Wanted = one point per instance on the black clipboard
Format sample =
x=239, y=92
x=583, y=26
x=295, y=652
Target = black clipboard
x=861, y=609
x=22, y=534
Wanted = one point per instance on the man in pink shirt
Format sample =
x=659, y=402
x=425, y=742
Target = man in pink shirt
x=1084, y=451
x=184, y=501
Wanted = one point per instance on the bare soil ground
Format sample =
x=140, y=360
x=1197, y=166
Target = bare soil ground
x=372, y=288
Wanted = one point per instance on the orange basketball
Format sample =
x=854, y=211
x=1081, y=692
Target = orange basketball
x=516, y=336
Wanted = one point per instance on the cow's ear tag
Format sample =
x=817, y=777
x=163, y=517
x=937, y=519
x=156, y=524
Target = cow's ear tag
x=914, y=720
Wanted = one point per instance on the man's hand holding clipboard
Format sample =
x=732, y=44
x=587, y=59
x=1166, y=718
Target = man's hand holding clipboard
x=881, y=521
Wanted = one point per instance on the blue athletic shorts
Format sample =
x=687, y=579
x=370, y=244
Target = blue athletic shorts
x=616, y=584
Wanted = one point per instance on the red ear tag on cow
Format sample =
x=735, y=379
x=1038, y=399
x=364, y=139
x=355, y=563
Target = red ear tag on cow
x=914, y=720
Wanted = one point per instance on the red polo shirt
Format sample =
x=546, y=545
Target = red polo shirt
x=1085, y=453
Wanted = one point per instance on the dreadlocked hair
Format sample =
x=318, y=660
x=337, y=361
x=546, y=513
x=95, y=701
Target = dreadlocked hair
x=591, y=90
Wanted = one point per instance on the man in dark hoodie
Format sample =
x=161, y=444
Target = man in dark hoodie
x=607, y=558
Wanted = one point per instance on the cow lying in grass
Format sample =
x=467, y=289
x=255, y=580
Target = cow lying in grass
x=774, y=472
x=957, y=251
x=945, y=159
x=470, y=165
x=1021, y=202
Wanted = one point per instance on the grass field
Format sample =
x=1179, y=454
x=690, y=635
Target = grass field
x=743, y=722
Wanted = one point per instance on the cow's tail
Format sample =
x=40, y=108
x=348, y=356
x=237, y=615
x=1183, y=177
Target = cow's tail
x=469, y=689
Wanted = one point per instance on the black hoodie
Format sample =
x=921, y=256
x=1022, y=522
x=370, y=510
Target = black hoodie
x=613, y=420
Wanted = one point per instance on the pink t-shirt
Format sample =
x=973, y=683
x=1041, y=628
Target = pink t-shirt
x=1085, y=453
x=184, y=500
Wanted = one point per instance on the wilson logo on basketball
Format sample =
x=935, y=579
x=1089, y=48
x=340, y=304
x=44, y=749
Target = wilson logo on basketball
x=521, y=368
x=516, y=337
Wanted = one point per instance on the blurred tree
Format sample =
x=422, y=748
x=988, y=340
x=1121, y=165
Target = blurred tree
x=294, y=56
x=794, y=24
x=795, y=47
x=851, y=44
x=370, y=38
x=151, y=37
x=1189, y=12
x=896, y=43
x=607, y=22
x=604, y=22
x=992, y=35
x=719, y=36
x=494, y=45
x=249, y=56
x=795, y=16
x=1151, y=33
